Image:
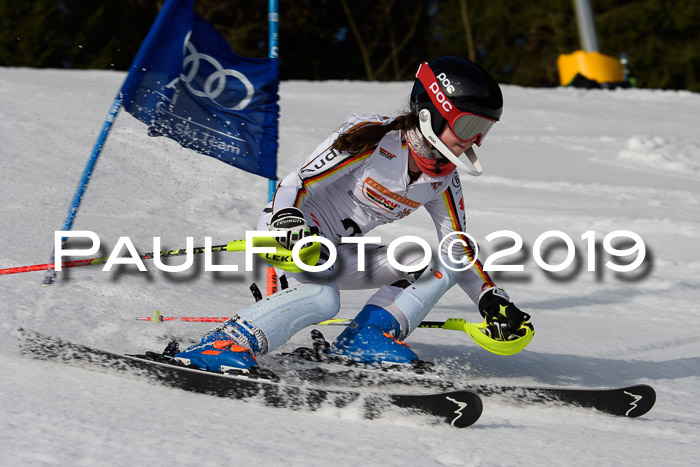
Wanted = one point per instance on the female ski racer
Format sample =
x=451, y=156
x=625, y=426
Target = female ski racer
x=373, y=171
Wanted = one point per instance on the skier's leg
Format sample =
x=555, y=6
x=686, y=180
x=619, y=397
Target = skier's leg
x=268, y=323
x=391, y=314
x=263, y=326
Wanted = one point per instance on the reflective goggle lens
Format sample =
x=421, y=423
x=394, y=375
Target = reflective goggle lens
x=468, y=127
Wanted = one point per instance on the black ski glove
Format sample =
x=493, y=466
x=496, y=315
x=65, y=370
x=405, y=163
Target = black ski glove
x=292, y=222
x=505, y=320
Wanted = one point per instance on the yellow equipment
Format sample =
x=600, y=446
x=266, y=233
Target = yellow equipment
x=592, y=65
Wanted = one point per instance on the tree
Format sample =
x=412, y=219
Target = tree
x=381, y=51
x=661, y=38
x=73, y=33
x=518, y=42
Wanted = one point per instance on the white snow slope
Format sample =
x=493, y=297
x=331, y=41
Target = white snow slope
x=560, y=159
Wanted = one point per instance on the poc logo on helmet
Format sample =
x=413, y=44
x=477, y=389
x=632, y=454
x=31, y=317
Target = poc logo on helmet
x=435, y=88
x=446, y=83
x=439, y=96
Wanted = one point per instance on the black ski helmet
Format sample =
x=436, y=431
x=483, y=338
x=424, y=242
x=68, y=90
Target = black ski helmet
x=468, y=86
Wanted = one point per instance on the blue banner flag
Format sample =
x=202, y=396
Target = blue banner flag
x=187, y=84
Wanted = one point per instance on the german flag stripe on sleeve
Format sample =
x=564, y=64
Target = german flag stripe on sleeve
x=338, y=167
x=468, y=248
x=306, y=182
x=300, y=195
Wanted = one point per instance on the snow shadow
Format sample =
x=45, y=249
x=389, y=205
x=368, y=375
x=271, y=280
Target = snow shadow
x=473, y=365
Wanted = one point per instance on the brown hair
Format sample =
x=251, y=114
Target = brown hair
x=366, y=135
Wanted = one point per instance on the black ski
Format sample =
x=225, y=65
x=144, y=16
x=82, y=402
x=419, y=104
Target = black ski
x=310, y=365
x=458, y=408
x=630, y=401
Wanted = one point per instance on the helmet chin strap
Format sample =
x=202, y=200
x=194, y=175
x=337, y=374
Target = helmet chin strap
x=470, y=163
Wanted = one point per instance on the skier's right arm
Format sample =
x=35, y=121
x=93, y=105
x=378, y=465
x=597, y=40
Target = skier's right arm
x=321, y=168
x=298, y=187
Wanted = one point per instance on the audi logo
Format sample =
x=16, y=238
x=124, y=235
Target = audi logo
x=216, y=83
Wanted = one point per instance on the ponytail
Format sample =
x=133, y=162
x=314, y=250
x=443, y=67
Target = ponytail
x=366, y=136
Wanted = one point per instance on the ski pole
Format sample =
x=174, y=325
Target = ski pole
x=156, y=318
x=281, y=258
x=450, y=323
x=90, y=262
x=476, y=331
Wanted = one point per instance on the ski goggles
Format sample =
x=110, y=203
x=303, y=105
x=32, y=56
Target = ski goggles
x=466, y=126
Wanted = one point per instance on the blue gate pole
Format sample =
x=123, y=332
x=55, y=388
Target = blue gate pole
x=273, y=39
x=273, y=52
x=50, y=277
x=125, y=94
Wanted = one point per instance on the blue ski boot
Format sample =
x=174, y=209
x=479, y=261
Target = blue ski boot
x=228, y=347
x=369, y=339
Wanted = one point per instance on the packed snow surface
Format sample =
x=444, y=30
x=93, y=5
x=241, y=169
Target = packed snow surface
x=567, y=160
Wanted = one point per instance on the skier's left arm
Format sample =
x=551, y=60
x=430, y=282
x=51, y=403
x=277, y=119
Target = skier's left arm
x=447, y=212
x=449, y=216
